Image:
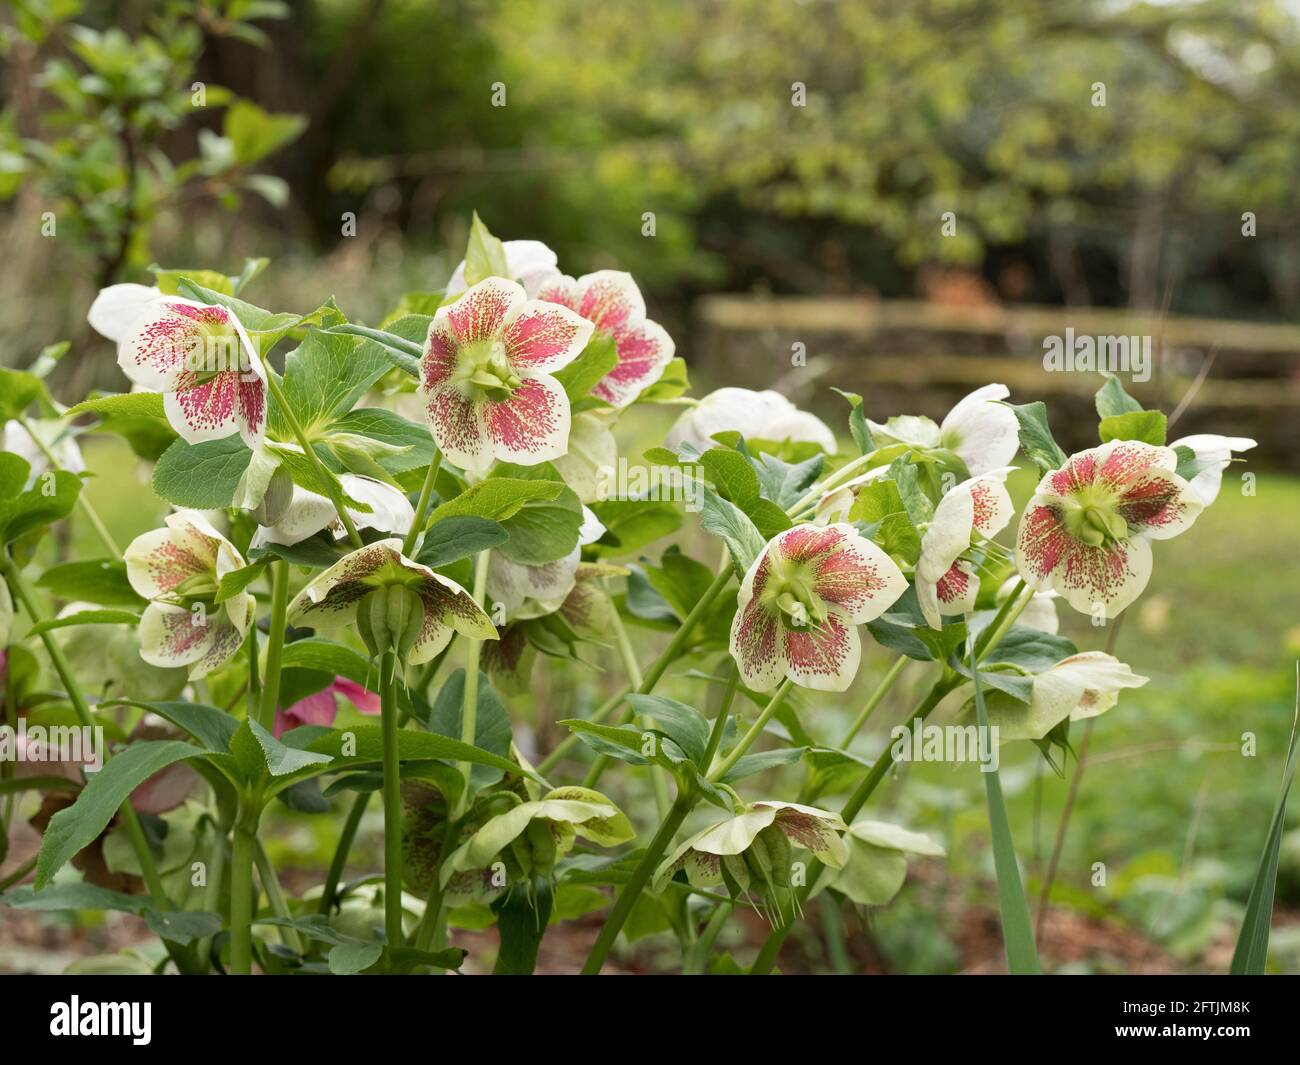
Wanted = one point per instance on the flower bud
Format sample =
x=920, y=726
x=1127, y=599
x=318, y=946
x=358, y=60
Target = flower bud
x=390, y=619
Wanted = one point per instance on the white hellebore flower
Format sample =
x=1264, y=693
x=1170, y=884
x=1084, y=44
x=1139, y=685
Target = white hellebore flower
x=1215, y=453
x=178, y=569
x=754, y=844
x=544, y=587
x=763, y=415
x=309, y=513
x=530, y=262
x=1039, y=613
x=979, y=430
x=1079, y=687
x=877, y=863
x=946, y=579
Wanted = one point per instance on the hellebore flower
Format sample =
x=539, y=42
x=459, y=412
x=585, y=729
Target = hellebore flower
x=53, y=433
x=178, y=569
x=320, y=708
x=979, y=430
x=877, y=862
x=396, y=603
x=512, y=584
x=610, y=300
x=800, y=603
x=1079, y=687
x=1215, y=452
x=765, y=415
x=485, y=378
x=1087, y=531
x=946, y=578
x=198, y=355
x=755, y=845
x=309, y=513
x=530, y=262
x=532, y=836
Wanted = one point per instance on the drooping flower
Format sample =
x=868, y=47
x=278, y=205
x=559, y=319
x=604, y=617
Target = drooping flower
x=54, y=435
x=485, y=378
x=979, y=430
x=1215, y=454
x=531, y=836
x=309, y=513
x=530, y=262
x=611, y=301
x=946, y=577
x=543, y=588
x=801, y=601
x=330, y=601
x=1088, y=528
x=752, y=848
x=178, y=569
x=765, y=415
x=1076, y=688
x=1040, y=612
x=198, y=355
x=877, y=862
x=320, y=708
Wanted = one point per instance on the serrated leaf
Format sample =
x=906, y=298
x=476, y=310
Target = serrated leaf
x=1147, y=426
x=97, y=580
x=203, y=476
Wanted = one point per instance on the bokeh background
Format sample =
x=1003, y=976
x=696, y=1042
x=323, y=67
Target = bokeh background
x=775, y=173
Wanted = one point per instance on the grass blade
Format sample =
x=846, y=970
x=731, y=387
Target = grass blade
x=1251, y=955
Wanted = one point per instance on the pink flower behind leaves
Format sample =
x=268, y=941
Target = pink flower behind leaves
x=611, y=301
x=320, y=708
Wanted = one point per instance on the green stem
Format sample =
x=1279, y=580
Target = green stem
x=818, y=490
x=17, y=875
x=636, y=882
x=392, y=800
x=327, y=480
x=87, y=508
x=341, y=851
x=242, y=849
x=869, y=707
x=755, y=730
x=658, y=778
x=212, y=891
x=253, y=689
x=275, y=644
x=697, y=958
x=274, y=895
x=422, y=506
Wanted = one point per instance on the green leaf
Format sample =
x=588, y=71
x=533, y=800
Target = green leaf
x=324, y=377
x=98, y=580
x=1147, y=426
x=137, y=417
x=491, y=724
x=237, y=580
x=401, y=342
x=182, y=926
x=681, y=580
x=749, y=764
x=76, y=827
x=203, y=476
x=542, y=529
x=51, y=497
x=18, y=391
x=1111, y=399
x=683, y=724
x=723, y=519
x=131, y=404
x=632, y=523
x=672, y=383
x=213, y=728
x=86, y=617
x=497, y=498
x=522, y=917
x=785, y=483
x=412, y=747
x=1251, y=954
x=410, y=443
x=1036, y=436
x=281, y=759
x=74, y=896
x=325, y=656
x=452, y=539
x=255, y=133
x=858, y=422
x=346, y=959
x=1017, y=932
x=585, y=372
x=876, y=500
x=485, y=256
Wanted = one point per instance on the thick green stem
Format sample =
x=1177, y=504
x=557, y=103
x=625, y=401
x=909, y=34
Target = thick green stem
x=341, y=851
x=422, y=507
x=392, y=800
x=242, y=850
x=274, y=895
x=212, y=892
x=275, y=644
x=327, y=480
x=640, y=877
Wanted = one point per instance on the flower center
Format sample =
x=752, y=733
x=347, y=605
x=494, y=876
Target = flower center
x=790, y=590
x=1092, y=517
x=487, y=371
